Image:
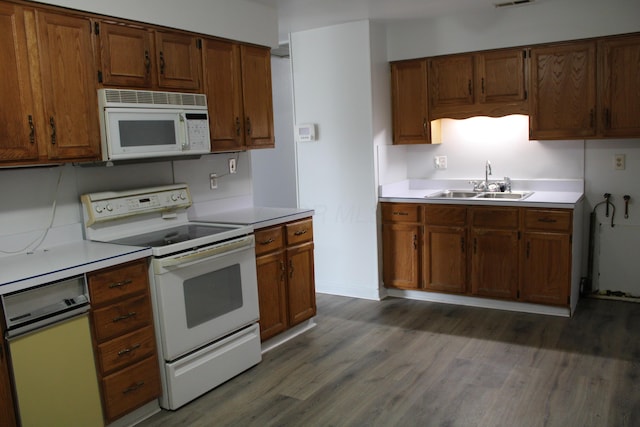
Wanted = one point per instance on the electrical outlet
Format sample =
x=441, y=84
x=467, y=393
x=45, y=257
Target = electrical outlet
x=213, y=181
x=618, y=162
x=440, y=162
x=232, y=166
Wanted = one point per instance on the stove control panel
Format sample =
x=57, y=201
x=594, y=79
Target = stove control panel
x=107, y=206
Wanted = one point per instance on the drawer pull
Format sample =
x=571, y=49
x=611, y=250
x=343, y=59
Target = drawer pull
x=300, y=232
x=133, y=387
x=128, y=350
x=268, y=241
x=547, y=220
x=120, y=284
x=124, y=317
x=401, y=213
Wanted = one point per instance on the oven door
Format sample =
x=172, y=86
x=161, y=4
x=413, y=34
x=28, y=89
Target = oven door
x=205, y=294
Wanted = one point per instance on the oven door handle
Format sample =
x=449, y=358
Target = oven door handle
x=208, y=253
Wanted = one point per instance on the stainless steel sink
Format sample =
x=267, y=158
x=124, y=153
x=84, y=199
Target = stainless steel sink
x=509, y=196
x=463, y=194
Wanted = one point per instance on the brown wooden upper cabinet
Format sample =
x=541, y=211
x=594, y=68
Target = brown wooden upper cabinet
x=237, y=82
x=47, y=69
x=491, y=83
x=619, y=59
x=411, y=123
x=563, y=91
x=138, y=57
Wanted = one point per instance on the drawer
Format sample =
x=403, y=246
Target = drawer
x=269, y=239
x=547, y=220
x=125, y=350
x=299, y=231
x=446, y=215
x=122, y=317
x=131, y=388
x=118, y=282
x=400, y=212
x=495, y=217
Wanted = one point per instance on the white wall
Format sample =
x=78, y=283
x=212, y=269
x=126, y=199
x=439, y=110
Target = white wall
x=332, y=88
x=540, y=22
x=274, y=170
x=233, y=19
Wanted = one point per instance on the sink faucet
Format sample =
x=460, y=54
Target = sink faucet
x=483, y=185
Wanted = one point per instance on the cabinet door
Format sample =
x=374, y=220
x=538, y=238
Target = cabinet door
x=401, y=255
x=494, y=263
x=563, y=91
x=451, y=81
x=178, y=61
x=546, y=269
x=17, y=126
x=272, y=295
x=445, y=261
x=411, y=124
x=501, y=76
x=125, y=55
x=222, y=85
x=69, y=85
x=301, y=291
x=256, y=96
x=620, y=85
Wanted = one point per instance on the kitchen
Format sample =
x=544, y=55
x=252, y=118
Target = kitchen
x=345, y=221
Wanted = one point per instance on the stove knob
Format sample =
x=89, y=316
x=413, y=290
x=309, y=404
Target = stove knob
x=174, y=197
x=183, y=196
x=98, y=208
x=109, y=207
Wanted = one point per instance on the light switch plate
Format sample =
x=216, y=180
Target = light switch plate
x=440, y=162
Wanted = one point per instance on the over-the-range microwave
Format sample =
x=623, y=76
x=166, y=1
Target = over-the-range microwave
x=138, y=124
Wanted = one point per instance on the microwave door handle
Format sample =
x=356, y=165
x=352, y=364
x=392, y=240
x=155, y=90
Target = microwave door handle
x=184, y=140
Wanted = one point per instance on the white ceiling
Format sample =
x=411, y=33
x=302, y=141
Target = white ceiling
x=300, y=15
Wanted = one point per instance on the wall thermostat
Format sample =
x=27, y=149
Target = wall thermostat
x=306, y=132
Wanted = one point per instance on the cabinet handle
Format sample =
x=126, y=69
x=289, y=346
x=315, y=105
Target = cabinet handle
x=592, y=118
x=120, y=284
x=547, y=220
x=470, y=88
x=52, y=122
x=32, y=130
x=124, y=317
x=128, y=350
x=528, y=249
x=482, y=85
x=475, y=245
x=415, y=241
x=290, y=269
x=401, y=213
x=462, y=244
x=162, y=63
x=300, y=232
x=268, y=241
x=238, y=127
x=147, y=61
x=607, y=116
x=282, y=271
x=133, y=387
x=248, y=126
x=424, y=126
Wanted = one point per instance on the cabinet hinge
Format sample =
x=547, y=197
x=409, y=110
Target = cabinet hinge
x=571, y=238
x=519, y=235
x=99, y=76
x=199, y=43
x=96, y=28
x=526, y=95
x=568, y=299
x=518, y=294
x=524, y=54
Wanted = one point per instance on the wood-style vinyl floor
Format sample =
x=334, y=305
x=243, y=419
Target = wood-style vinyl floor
x=413, y=363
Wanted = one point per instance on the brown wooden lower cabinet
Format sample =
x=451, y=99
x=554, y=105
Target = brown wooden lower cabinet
x=286, y=277
x=510, y=253
x=124, y=338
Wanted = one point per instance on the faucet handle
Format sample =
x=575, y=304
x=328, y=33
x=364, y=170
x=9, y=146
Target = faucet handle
x=507, y=184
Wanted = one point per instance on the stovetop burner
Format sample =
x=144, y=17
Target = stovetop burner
x=173, y=235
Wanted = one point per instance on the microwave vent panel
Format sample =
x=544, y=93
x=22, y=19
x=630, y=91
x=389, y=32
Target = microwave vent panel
x=123, y=97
